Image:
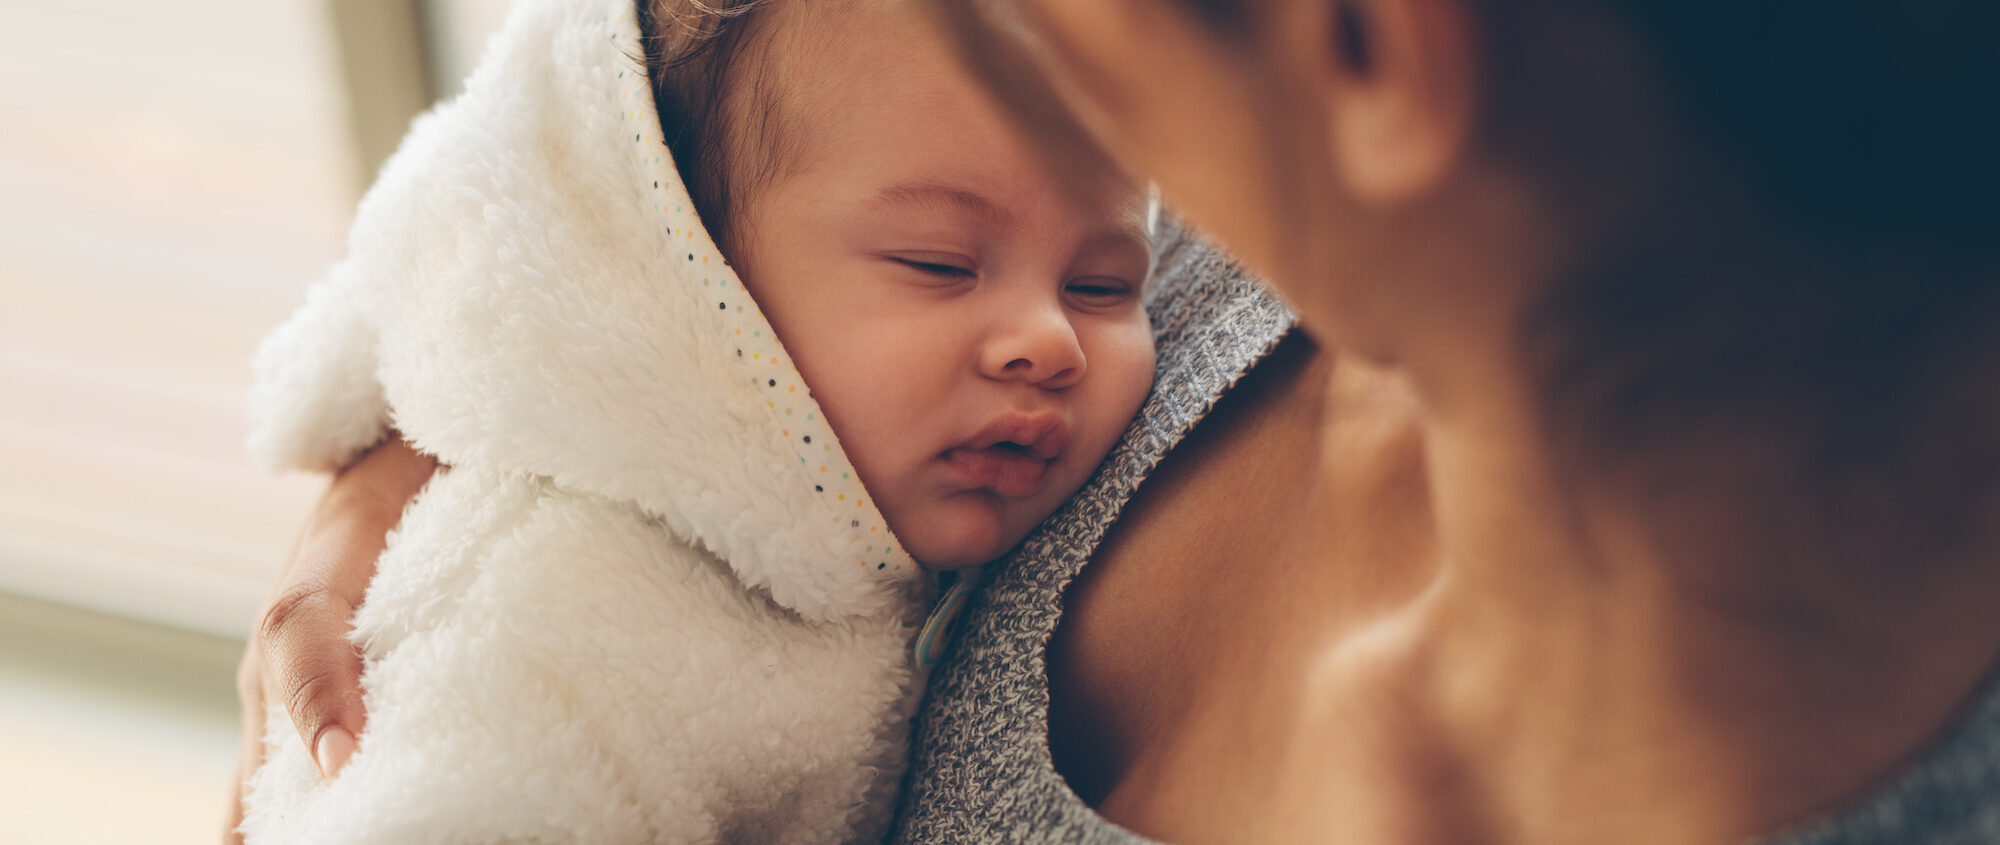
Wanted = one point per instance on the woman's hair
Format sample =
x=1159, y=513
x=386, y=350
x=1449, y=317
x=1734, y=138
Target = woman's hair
x=1860, y=118
x=1837, y=261
x=1831, y=271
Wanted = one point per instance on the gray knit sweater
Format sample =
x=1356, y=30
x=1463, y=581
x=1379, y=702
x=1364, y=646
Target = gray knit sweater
x=980, y=768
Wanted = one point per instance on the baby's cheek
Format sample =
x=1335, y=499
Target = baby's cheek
x=1123, y=370
x=860, y=412
x=1130, y=359
x=877, y=394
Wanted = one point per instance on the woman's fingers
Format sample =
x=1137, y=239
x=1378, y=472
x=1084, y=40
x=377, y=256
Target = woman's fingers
x=312, y=667
x=323, y=702
x=300, y=656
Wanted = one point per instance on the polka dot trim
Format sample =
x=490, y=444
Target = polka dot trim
x=763, y=364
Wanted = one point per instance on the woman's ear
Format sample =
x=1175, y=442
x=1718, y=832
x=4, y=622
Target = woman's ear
x=1397, y=82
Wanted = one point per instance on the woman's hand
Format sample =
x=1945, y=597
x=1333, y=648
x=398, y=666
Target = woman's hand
x=300, y=655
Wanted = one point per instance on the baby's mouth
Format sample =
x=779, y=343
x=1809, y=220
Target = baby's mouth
x=1011, y=454
x=1007, y=468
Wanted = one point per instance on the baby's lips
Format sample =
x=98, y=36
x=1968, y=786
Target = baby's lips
x=1009, y=472
x=1051, y=443
x=1042, y=434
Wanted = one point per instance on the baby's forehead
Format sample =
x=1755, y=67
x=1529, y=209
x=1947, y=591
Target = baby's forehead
x=1127, y=209
x=802, y=63
x=876, y=92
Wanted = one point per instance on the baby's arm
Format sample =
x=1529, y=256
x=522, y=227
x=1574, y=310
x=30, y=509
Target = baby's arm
x=492, y=708
x=318, y=403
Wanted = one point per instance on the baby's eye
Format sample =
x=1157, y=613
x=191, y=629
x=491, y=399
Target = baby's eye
x=1098, y=292
x=934, y=268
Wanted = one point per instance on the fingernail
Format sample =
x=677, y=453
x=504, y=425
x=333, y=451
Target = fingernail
x=335, y=746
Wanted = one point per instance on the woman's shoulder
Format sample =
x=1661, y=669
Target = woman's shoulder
x=980, y=764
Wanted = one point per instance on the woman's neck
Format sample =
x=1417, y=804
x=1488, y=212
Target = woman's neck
x=1630, y=642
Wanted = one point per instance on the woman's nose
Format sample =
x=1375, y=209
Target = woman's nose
x=1037, y=346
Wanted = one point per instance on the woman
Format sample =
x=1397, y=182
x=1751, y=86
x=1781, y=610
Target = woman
x=1640, y=488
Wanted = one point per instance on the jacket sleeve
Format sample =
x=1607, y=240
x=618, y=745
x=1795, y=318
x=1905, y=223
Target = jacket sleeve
x=317, y=400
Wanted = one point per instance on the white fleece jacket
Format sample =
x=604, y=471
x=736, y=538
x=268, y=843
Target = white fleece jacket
x=648, y=601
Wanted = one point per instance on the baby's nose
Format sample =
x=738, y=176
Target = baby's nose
x=1041, y=349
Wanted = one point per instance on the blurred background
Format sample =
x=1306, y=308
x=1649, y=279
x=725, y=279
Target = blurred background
x=172, y=177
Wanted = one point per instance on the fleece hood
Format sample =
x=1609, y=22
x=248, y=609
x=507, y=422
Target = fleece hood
x=528, y=288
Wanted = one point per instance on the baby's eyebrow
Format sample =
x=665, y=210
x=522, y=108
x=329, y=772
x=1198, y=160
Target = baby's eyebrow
x=938, y=196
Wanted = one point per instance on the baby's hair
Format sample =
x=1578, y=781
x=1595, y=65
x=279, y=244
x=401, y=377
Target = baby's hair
x=718, y=108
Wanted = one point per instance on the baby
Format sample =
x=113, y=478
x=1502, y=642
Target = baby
x=667, y=588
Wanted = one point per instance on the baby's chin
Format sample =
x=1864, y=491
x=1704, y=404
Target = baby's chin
x=962, y=531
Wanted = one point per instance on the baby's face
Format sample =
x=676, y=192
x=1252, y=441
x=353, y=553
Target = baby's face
x=972, y=330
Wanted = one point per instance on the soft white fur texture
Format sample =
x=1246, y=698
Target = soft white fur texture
x=638, y=606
